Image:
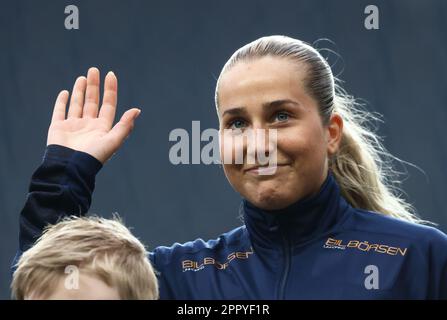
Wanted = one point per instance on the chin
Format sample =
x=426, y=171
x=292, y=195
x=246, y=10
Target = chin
x=269, y=199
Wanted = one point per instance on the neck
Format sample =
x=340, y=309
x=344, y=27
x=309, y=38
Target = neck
x=300, y=222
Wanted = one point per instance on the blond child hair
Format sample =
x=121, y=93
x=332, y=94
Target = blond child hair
x=99, y=247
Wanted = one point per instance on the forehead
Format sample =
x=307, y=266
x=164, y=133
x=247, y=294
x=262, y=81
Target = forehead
x=264, y=79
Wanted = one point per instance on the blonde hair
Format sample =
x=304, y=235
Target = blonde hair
x=99, y=246
x=362, y=166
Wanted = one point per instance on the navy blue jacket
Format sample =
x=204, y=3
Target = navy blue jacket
x=318, y=248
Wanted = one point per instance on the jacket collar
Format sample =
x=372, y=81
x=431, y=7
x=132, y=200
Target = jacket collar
x=302, y=221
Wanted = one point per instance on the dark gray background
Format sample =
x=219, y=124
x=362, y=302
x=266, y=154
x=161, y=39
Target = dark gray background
x=167, y=55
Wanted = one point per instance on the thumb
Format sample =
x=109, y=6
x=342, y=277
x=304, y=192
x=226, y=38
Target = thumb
x=123, y=128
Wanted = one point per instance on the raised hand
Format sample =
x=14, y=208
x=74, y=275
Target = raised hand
x=87, y=127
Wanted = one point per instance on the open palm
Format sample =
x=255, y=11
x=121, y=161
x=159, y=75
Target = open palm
x=87, y=127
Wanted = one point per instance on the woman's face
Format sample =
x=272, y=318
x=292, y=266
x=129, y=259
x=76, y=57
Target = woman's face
x=268, y=93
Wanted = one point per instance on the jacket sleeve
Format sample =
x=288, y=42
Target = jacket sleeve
x=61, y=186
x=165, y=289
x=437, y=265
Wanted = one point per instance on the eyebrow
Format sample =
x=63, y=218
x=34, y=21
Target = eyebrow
x=265, y=106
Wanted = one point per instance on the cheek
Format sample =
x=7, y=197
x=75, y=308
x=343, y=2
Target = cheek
x=227, y=158
x=305, y=143
x=231, y=147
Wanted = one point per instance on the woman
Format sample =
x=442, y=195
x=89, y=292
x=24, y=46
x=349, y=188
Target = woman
x=324, y=225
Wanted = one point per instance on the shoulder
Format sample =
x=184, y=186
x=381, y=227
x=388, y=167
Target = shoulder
x=226, y=242
x=377, y=223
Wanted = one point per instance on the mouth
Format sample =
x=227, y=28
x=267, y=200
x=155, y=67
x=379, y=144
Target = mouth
x=264, y=170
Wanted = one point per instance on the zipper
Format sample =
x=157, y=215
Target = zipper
x=287, y=252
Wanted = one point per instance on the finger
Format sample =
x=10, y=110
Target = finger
x=92, y=94
x=123, y=128
x=108, y=108
x=77, y=98
x=60, y=106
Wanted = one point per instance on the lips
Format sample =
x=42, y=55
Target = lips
x=264, y=170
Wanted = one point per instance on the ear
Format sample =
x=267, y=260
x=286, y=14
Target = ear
x=334, y=133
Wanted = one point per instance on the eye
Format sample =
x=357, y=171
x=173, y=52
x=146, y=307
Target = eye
x=237, y=124
x=282, y=116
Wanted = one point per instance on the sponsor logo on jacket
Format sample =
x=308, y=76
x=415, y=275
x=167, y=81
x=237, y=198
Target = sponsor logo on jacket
x=364, y=246
x=191, y=265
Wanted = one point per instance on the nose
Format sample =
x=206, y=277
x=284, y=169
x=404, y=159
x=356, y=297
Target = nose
x=261, y=145
x=254, y=145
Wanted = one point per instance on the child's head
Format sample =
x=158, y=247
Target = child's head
x=85, y=258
